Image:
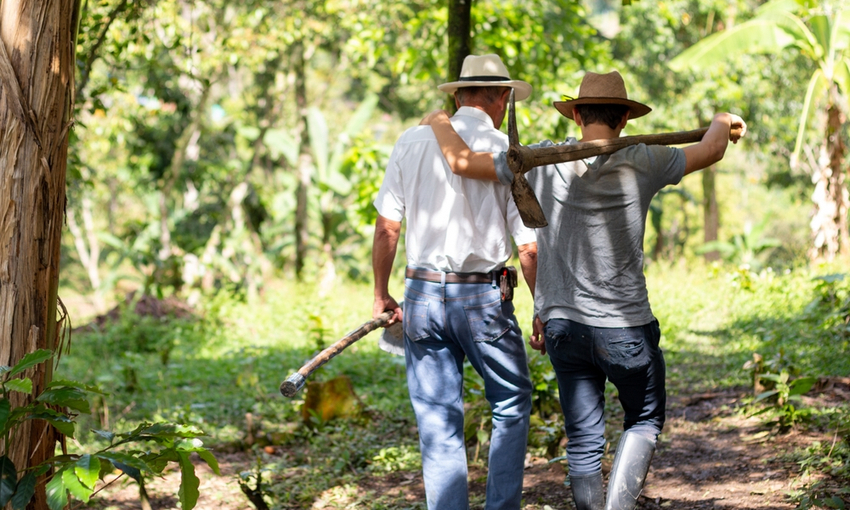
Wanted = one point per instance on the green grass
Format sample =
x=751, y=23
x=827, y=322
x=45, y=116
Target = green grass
x=229, y=362
x=713, y=322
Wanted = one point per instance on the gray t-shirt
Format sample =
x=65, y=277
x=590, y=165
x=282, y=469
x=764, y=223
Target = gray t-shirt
x=590, y=256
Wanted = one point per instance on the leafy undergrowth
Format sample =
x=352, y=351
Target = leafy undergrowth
x=723, y=331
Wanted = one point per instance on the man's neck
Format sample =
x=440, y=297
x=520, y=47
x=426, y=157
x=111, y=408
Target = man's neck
x=597, y=131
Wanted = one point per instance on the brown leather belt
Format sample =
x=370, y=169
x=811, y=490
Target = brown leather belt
x=436, y=276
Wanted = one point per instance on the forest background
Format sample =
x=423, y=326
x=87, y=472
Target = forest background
x=224, y=157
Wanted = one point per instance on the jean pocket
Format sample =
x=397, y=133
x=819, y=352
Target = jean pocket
x=417, y=325
x=628, y=352
x=487, y=322
x=556, y=333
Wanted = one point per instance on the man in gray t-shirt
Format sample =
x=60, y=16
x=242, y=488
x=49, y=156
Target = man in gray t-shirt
x=591, y=301
x=591, y=270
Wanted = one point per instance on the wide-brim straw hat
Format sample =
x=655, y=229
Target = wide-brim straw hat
x=486, y=71
x=606, y=88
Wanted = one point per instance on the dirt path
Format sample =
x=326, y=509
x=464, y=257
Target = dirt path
x=709, y=457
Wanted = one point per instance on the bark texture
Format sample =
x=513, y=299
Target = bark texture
x=829, y=223
x=36, y=102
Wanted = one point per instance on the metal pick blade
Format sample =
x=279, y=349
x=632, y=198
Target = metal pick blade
x=513, y=135
x=526, y=203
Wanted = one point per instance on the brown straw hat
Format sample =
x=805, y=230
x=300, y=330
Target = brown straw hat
x=602, y=89
x=486, y=71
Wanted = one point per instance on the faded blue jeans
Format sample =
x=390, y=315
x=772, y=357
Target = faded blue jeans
x=583, y=357
x=442, y=325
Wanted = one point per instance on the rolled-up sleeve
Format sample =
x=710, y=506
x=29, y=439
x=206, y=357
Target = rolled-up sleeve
x=503, y=172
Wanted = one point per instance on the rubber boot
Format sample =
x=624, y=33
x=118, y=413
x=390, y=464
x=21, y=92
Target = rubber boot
x=628, y=474
x=587, y=491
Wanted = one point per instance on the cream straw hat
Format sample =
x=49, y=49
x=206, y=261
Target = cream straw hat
x=486, y=71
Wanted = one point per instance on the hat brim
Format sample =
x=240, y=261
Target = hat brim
x=523, y=89
x=636, y=109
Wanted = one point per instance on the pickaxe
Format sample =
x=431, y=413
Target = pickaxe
x=522, y=159
x=295, y=382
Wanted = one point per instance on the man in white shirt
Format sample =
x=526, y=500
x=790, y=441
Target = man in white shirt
x=457, y=300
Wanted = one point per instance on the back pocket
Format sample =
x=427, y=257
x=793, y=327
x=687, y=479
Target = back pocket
x=628, y=352
x=487, y=322
x=416, y=323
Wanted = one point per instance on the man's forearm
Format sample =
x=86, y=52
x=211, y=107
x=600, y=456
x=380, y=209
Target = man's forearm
x=461, y=159
x=712, y=148
x=384, y=247
x=528, y=263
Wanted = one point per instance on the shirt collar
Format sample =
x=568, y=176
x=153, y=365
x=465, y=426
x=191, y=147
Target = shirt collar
x=476, y=114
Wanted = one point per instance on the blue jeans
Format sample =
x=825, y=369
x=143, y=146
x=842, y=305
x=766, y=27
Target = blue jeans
x=442, y=325
x=583, y=357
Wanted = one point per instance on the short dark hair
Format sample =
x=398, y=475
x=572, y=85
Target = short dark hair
x=608, y=114
x=487, y=95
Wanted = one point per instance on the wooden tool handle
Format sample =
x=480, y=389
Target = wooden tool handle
x=562, y=153
x=534, y=157
x=296, y=381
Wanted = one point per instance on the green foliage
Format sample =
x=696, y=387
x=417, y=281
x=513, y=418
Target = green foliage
x=820, y=495
x=749, y=248
x=213, y=84
x=547, y=429
x=818, y=31
x=831, y=458
x=786, y=396
x=144, y=451
x=710, y=327
x=397, y=458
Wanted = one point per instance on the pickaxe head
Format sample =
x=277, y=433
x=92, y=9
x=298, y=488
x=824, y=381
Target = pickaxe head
x=526, y=201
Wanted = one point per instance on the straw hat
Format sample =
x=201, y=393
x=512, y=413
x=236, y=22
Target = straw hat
x=486, y=71
x=603, y=89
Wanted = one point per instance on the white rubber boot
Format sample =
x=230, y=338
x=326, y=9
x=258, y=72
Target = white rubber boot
x=631, y=463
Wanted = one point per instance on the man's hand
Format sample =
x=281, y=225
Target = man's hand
x=737, y=122
x=436, y=115
x=385, y=304
x=536, y=339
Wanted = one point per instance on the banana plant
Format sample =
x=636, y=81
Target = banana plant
x=749, y=247
x=329, y=179
x=820, y=31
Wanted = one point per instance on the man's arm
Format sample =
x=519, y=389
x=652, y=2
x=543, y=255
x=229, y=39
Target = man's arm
x=462, y=161
x=713, y=145
x=528, y=263
x=384, y=247
x=537, y=341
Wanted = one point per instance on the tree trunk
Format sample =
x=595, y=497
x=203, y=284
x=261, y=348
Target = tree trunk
x=838, y=185
x=37, y=44
x=711, y=216
x=304, y=161
x=829, y=223
x=459, y=39
x=88, y=248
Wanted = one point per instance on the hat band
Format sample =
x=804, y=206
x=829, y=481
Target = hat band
x=484, y=78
